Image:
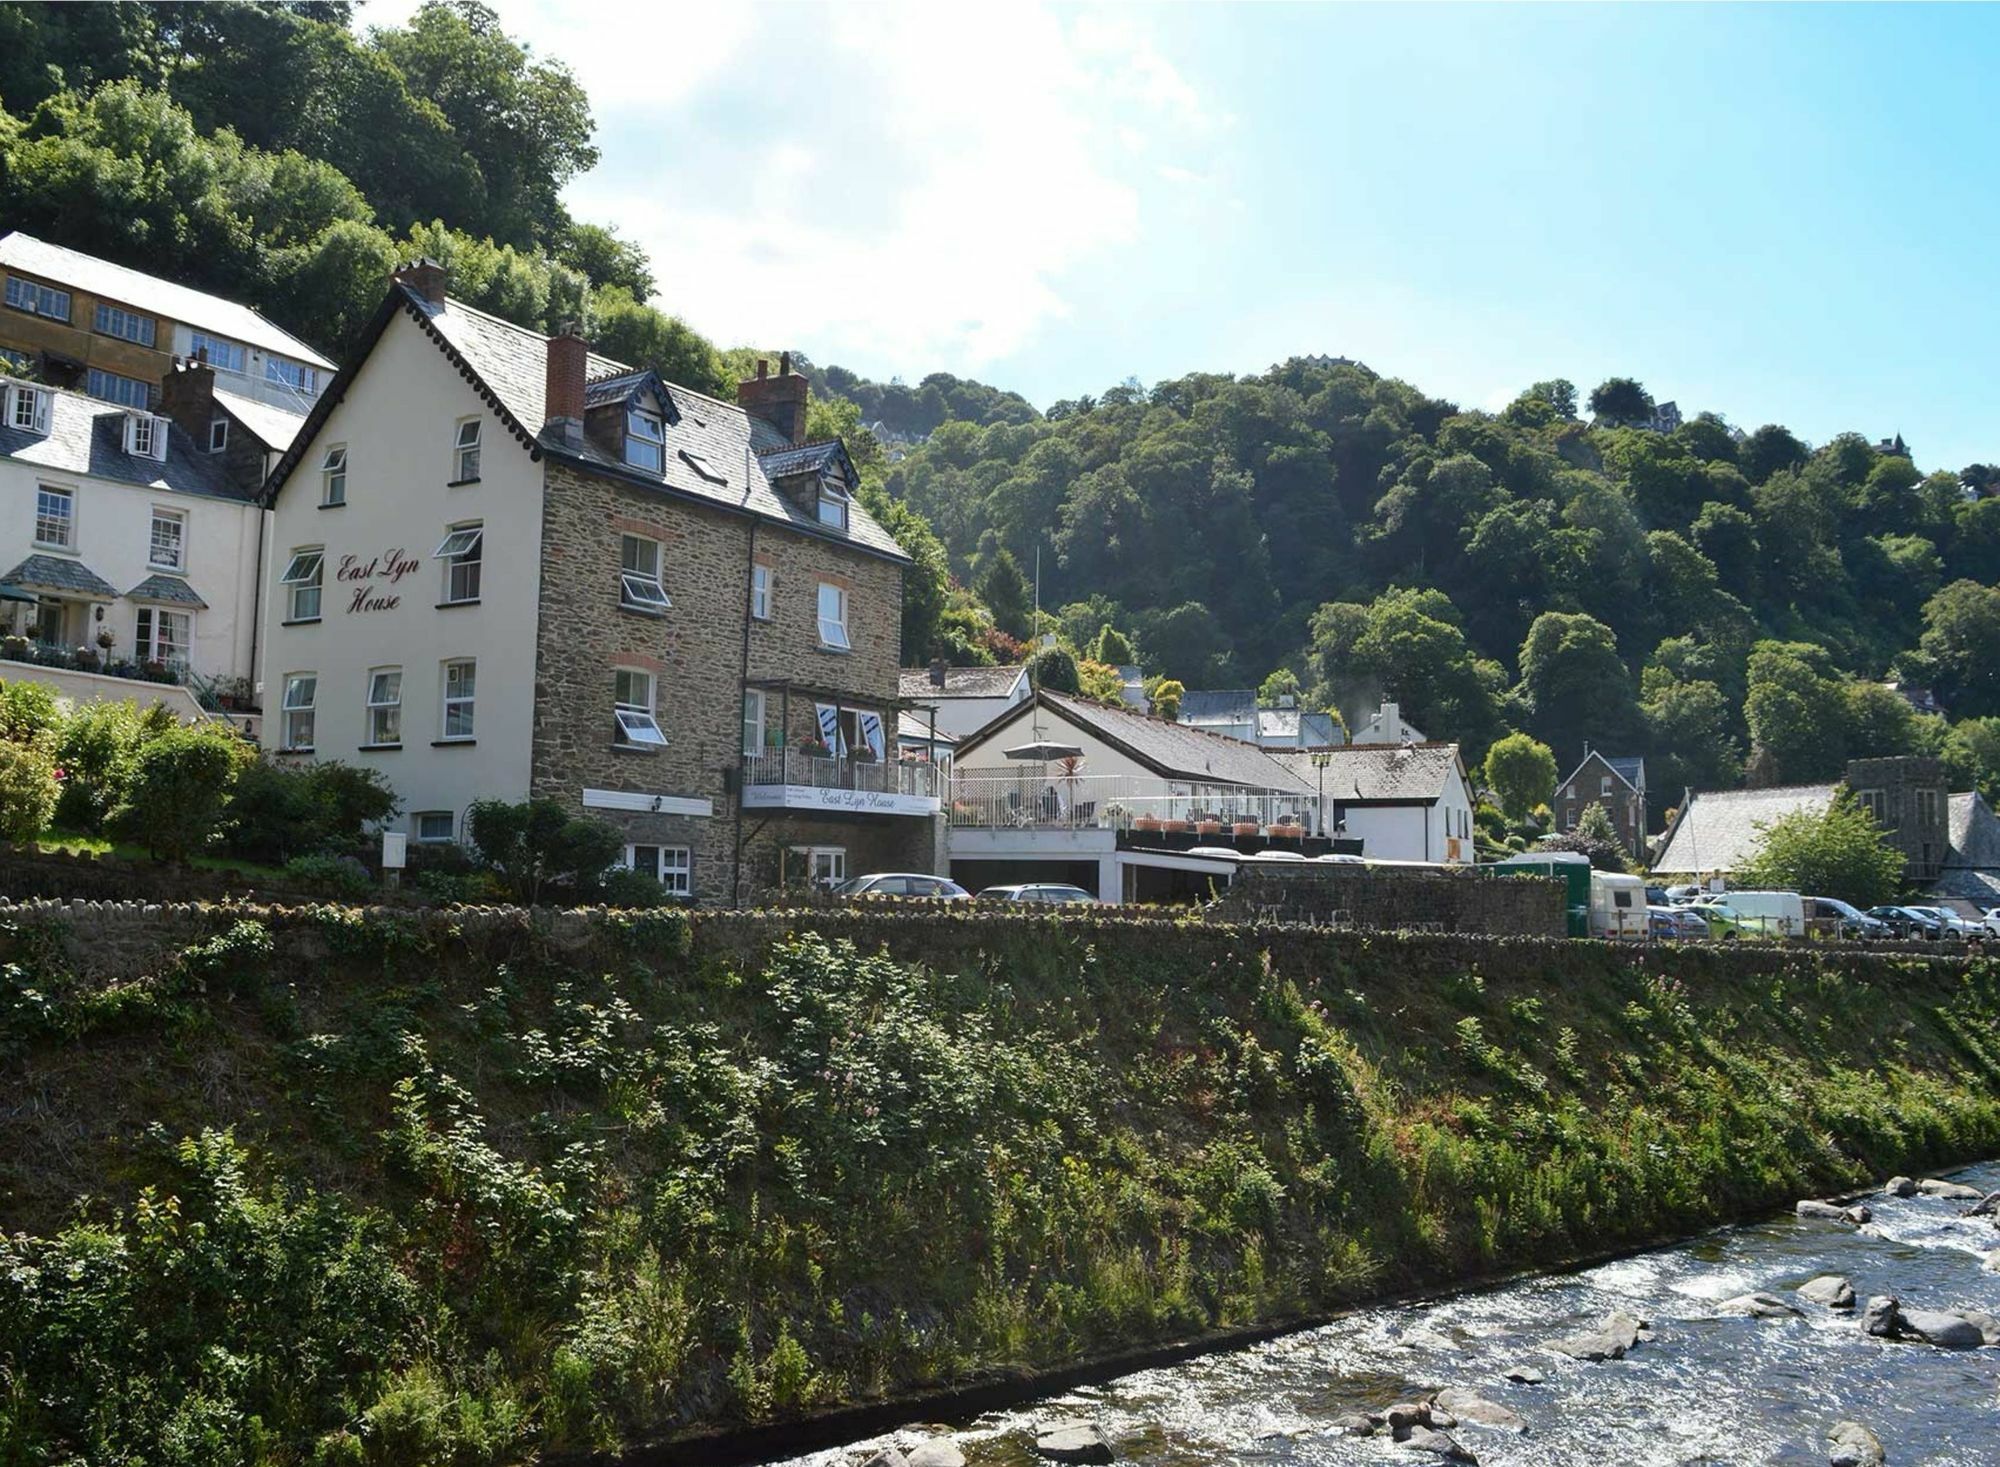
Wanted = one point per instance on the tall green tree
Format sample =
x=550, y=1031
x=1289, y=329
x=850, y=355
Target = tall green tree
x=1959, y=652
x=1620, y=401
x=1839, y=852
x=1796, y=710
x=1005, y=592
x=1521, y=770
x=1574, y=684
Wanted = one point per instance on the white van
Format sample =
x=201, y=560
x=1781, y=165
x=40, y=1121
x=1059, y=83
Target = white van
x=1618, y=906
x=1769, y=913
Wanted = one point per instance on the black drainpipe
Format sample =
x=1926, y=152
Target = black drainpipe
x=742, y=769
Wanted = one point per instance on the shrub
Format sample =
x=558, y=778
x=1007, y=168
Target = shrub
x=539, y=843
x=342, y=875
x=27, y=713
x=97, y=749
x=619, y=887
x=27, y=792
x=278, y=812
x=179, y=790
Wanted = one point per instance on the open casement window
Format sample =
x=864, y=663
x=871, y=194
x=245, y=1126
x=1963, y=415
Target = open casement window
x=301, y=696
x=639, y=586
x=463, y=551
x=460, y=685
x=301, y=378
x=333, y=476
x=162, y=636
x=146, y=436
x=27, y=410
x=218, y=434
x=465, y=452
x=645, y=441
x=301, y=580
x=632, y=700
x=385, y=706
x=833, y=617
x=833, y=503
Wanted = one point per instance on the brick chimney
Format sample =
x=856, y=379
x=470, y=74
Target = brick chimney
x=780, y=400
x=187, y=395
x=563, y=389
x=426, y=277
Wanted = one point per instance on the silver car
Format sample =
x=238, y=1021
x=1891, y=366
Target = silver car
x=903, y=884
x=1045, y=893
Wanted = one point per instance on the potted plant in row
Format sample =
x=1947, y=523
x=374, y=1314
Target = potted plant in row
x=1244, y=827
x=1146, y=821
x=1207, y=825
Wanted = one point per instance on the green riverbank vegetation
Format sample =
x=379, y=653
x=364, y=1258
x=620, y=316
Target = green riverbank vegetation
x=331, y=1188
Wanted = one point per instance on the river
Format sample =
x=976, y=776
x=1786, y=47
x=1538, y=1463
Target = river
x=1708, y=1389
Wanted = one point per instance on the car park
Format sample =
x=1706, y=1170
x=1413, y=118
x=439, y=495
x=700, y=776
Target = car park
x=1842, y=919
x=1617, y=906
x=903, y=884
x=1721, y=920
x=1906, y=923
x=1769, y=913
x=1667, y=923
x=1991, y=919
x=1043, y=893
x=1952, y=926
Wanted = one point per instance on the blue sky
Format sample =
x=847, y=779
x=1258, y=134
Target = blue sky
x=1782, y=214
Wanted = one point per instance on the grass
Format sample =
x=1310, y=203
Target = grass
x=392, y=1192
x=78, y=843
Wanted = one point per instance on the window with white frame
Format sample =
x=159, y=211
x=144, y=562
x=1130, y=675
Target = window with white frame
x=760, y=592
x=460, y=683
x=833, y=617
x=333, y=476
x=832, y=504
x=162, y=636
x=223, y=354
x=299, y=706
x=302, y=580
x=125, y=391
x=28, y=409
x=645, y=440
x=434, y=827
x=753, y=722
x=295, y=375
x=145, y=436
x=632, y=709
x=38, y=300
x=671, y=866
x=126, y=325
x=55, y=517
x=824, y=865
x=168, y=548
x=465, y=452
x=218, y=434
x=385, y=706
x=639, y=586
x=463, y=550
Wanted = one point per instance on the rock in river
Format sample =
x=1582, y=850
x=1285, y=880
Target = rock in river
x=1832, y=1212
x=887, y=1457
x=1956, y=1191
x=939, y=1451
x=1353, y=1424
x=1609, y=1341
x=1478, y=1410
x=1831, y=1289
x=1988, y=1325
x=1899, y=1187
x=1881, y=1316
x=1987, y=1206
x=1074, y=1441
x=1423, y=1439
x=1850, y=1444
x=1946, y=1331
x=1528, y=1375
x=1756, y=1306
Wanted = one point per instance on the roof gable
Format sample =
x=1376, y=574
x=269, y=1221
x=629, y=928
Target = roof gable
x=1169, y=750
x=86, y=439
x=1629, y=770
x=1722, y=830
x=1398, y=773
x=961, y=682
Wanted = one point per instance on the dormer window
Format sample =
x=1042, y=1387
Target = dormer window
x=28, y=409
x=645, y=441
x=833, y=502
x=146, y=436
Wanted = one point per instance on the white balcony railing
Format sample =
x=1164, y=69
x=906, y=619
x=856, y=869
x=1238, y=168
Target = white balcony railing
x=869, y=776
x=1044, y=800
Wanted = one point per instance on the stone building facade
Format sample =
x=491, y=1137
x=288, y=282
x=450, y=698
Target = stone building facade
x=1908, y=797
x=686, y=628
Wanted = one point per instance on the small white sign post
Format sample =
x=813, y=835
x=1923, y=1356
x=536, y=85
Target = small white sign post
x=395, y=851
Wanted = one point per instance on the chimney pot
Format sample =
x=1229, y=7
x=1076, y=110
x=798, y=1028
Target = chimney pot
x=568, y=355
x=763, y=368
x=426, y=277
x=780, y=401
x=784, y=364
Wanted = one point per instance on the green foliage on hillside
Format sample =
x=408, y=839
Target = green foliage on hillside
x=352, y=1189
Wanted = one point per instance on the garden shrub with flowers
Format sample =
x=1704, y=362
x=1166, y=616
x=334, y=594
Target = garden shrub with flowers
x=332, y=1187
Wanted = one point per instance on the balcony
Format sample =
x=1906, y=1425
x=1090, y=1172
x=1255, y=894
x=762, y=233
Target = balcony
x=785, y=779
x=1143, y=810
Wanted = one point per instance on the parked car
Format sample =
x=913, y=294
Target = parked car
x=1831, y=914
x=903, y=884
x=1656, y=896
x=1721, y=920
x=1769, y=913
x=1991, y=917
x=1682, y=895
x=1045, y=893
x=1953, y=926
x=1907, y=922
x=1675, y=924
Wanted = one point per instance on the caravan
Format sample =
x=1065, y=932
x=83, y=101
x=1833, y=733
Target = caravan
x=1618, y=906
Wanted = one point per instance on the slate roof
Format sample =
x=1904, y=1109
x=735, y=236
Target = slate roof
x=916, y=727
x=1171, y=750
x=1629, y=768
x=1362, y=772
x=270, y=425
x=151, y=294
x=509, y=364
x=1219, y=705
x=1722, y=830
x=807, y=458
x=169, y=589
x=60, y=573
x=1295, y=726
x=959, y=682
x=87, y=437
x=1972, y=863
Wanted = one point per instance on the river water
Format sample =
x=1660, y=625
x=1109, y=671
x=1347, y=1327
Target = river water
x=1708, y=1390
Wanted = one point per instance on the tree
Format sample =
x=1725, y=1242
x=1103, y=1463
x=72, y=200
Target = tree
x=1166, y=695
x=1595, y=824
x=1972, y=756
x=1959, y=652
x=1769, y=450
x=1280, y=689
x=1522, y=771
x=179, y=789
x=1621, y=402
x=1573, y=681
x=539, y=843
x=1796, y=712
x=1005, y=591
x=628, y=330
x=1054, y=669
x=1407, y=645
x=1099, y=682
x=1595, y=837
x=1112, y=648
x=1839, y=852
x=27, y=791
